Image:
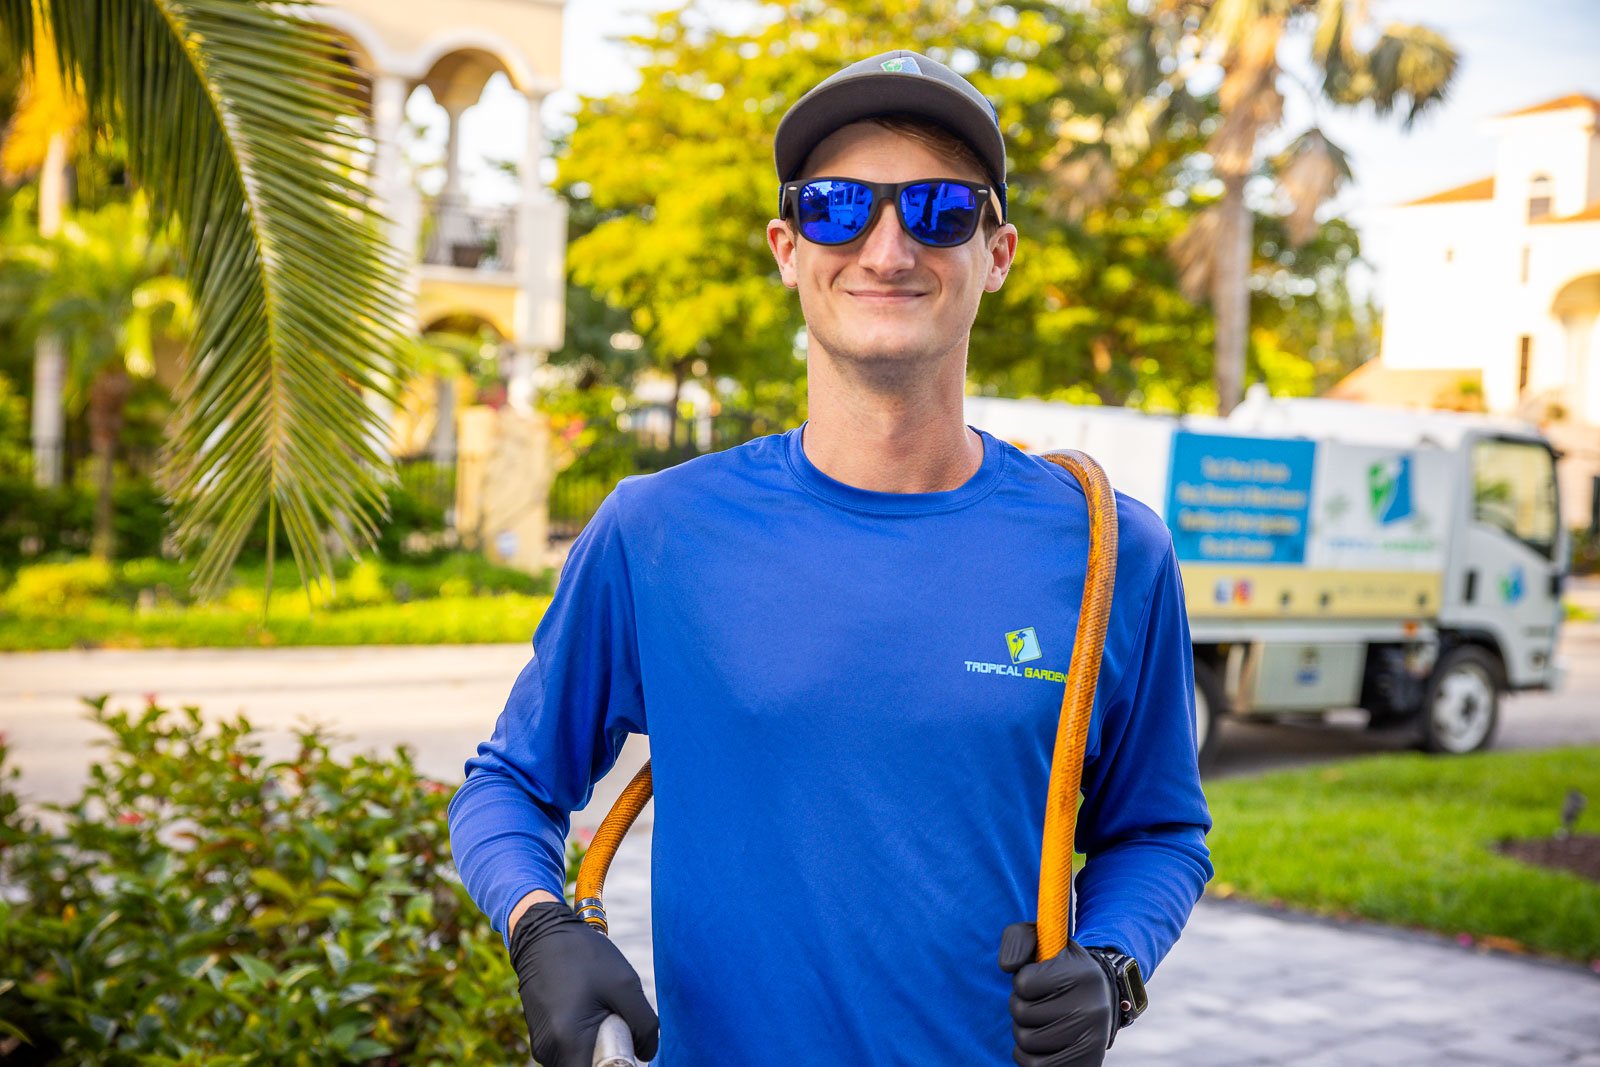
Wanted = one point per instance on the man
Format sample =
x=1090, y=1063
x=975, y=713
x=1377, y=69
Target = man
x=846, y=645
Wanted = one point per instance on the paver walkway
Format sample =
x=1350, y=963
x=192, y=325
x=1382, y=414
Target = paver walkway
x=1250, y=988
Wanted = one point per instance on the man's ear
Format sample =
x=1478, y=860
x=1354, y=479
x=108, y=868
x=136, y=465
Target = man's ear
x=780, y=238
x=1002, y=253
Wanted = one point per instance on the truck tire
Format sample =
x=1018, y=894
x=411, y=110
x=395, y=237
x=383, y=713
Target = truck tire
x=1208, y=705
x=1462, y=706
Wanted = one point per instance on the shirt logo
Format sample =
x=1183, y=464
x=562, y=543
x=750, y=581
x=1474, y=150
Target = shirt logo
x=902, y=65
x=1024, y=645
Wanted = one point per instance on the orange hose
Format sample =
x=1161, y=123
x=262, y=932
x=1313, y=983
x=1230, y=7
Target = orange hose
x=1077, y=703
x=1066, y=768
x=603, y=849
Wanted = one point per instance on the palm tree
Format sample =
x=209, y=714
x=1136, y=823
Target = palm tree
x=103, y=287
x=240, y=126
x=1405, y=68
x=39, y=139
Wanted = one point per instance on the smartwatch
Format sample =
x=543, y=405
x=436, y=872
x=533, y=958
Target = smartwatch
x=1126, y=983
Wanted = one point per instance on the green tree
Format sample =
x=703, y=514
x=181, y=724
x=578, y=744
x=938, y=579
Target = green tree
x=679, y=175
x=1305, y=319
x=1405, y=68
x=103, y=286
x=239, y=122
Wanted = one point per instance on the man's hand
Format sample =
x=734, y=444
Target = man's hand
x=1062, y=1010
x=571, y=977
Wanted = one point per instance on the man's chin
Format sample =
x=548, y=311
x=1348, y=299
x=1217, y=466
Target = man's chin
x=886, y=352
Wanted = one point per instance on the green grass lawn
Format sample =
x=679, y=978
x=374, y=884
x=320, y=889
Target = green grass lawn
x=507, y=617
x=146, y=604
x=1409, y=840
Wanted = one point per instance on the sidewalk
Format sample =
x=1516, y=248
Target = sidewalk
x=1246, y=987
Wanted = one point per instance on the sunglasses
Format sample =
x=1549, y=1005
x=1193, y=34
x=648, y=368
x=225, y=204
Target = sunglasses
x=938, y=212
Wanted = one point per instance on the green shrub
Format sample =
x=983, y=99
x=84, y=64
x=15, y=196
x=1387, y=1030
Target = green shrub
x=1585, y=551
x=200, y=904
x=49, y=587
x=38, y=521
x=462, y=574
x=415, y=527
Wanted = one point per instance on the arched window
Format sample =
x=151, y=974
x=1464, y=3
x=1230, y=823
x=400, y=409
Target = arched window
x=1539, y=195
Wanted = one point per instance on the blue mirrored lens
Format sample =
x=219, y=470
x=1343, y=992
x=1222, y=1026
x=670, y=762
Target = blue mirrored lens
x=833, y=212
x=939, y=213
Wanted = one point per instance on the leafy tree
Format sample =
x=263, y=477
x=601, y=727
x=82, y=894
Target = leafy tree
x=1302, y=306
x=1405, y=68
x=240, y=125
x=679, y=175
x=103, y=286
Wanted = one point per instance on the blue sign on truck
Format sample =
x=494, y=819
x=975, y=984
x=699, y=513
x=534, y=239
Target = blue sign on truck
x=1239, y=499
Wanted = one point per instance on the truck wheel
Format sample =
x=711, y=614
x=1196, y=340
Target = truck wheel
x=1462, y=706
x=1208, y=704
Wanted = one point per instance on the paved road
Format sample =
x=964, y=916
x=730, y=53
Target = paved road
x=443, y=701
x=440, y=700
x=1570, y=716
x=1244, y=987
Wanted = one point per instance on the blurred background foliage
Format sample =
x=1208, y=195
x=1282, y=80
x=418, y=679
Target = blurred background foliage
x=1116, y=117
x=670, y=187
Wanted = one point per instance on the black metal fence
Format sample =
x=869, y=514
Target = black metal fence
x=431, y=482
x=646, y=439
x=643, y=440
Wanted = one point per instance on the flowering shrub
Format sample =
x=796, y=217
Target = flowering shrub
x=200, y=904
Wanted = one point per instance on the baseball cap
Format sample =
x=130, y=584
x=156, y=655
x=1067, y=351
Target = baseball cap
x=897, y=82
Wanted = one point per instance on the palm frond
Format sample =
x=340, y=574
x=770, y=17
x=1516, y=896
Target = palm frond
x=238, y=127
x=16, y=30
x=1410, y=66
x=1310, y=172
x=1194, y=253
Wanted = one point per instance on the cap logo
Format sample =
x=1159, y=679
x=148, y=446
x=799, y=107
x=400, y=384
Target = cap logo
x=902, y=65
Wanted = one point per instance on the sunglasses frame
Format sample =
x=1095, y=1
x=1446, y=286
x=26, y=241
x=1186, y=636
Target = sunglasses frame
x=882, y=193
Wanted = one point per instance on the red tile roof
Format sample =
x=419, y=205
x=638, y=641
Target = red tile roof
x=1560, y=103
x=1588, y=214
x=1454, y=389
x=1482, y=189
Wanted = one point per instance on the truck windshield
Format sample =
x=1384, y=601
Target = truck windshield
x=1514, y=490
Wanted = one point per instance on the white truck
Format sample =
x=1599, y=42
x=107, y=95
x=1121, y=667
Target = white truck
x=1337, y=555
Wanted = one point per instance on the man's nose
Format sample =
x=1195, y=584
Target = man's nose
x=886, y=248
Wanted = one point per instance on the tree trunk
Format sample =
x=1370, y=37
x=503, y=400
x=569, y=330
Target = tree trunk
x=50, y=362
x=108, y=394
x=1230, y=292
x=679, y=371
x=48, y=421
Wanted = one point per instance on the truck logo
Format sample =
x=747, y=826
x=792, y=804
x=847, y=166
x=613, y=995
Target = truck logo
x=1024, y=645
x=1511, y=589
x=1389, y=490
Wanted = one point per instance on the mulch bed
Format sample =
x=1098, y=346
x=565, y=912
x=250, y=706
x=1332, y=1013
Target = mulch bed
x=1579, y=853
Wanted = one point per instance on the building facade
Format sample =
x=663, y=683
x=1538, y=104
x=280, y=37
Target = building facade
x=1492, y=292
x=478, y=269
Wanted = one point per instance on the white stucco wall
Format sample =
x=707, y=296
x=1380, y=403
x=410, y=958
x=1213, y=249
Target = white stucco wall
x=1456, y=293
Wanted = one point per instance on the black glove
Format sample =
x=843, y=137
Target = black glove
x=571, y=977
x=1062, y=1010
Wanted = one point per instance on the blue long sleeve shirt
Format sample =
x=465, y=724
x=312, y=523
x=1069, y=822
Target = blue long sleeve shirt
x=852, y=700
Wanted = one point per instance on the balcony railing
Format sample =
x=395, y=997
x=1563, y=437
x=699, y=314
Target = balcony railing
x=469, y=236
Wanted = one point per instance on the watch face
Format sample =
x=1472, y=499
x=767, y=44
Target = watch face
x=1135, y=986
